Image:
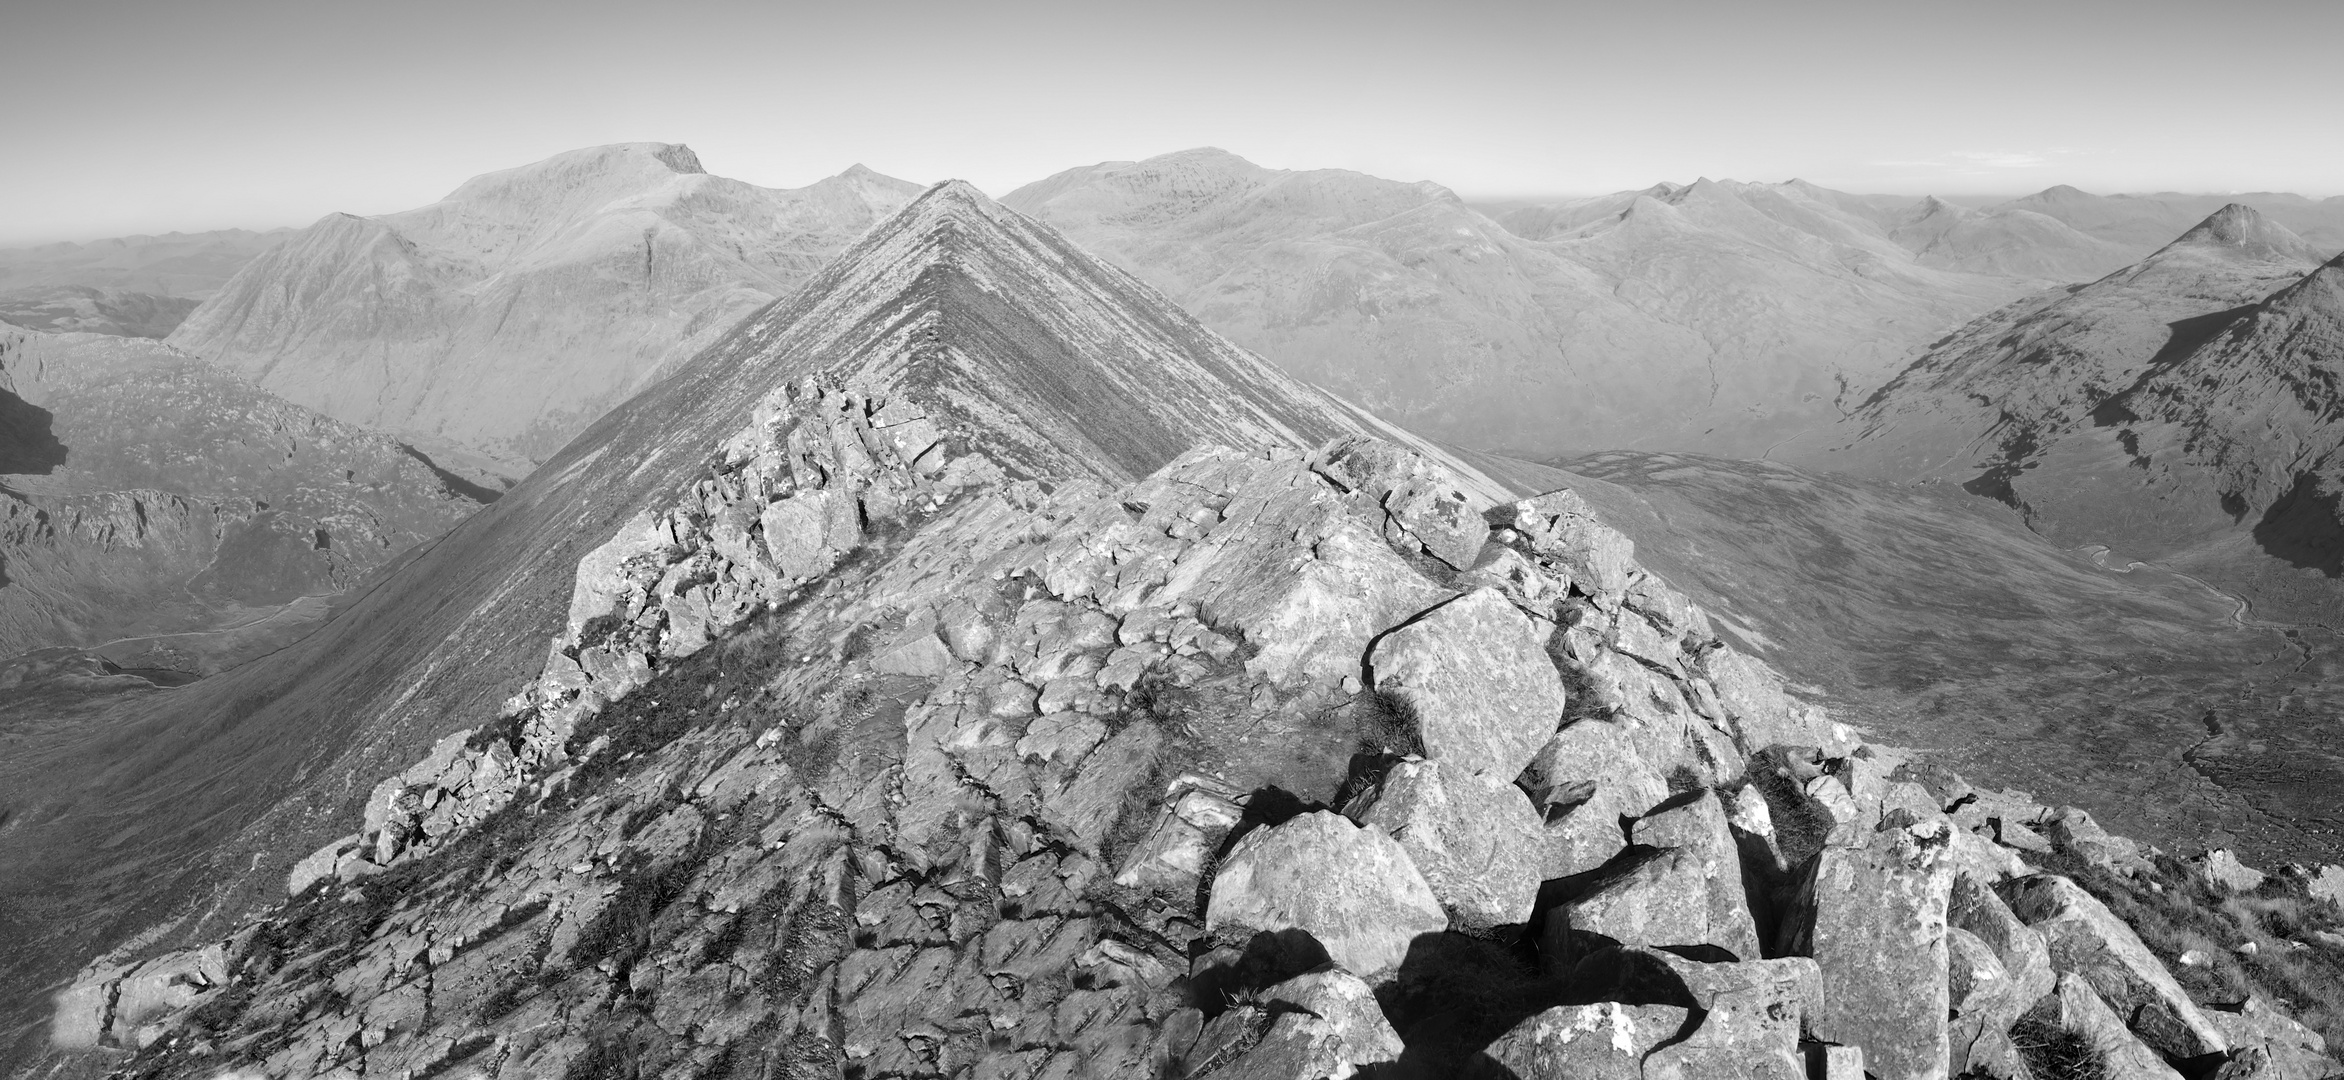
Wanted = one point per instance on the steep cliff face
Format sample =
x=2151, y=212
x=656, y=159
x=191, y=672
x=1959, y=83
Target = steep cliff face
x=511, y=314
x=1714, y=317
x=148, y=493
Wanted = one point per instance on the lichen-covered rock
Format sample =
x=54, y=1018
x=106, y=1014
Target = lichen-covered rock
x=1874, y=920
x=1603, y=1041
x=1475, y=838
x=2220, y=869
x=2282, y=1048
x=2076, y=1008
x=1476, y=678
x=1327, y=1026
x=1587, y=778
x=1427, y=506
x=1749, y=1012
x=1687, y=893
x=2087, y=940
x=1559, y=525
x=1763, y=715
x=2072, y=830
x=1175, y=853
x=1354, y=889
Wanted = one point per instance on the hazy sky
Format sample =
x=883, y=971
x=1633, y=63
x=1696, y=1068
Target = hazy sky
x=147, y=115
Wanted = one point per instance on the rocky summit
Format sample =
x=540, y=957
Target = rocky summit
x=972, y=667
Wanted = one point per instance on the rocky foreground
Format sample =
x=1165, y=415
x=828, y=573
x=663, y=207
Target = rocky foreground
x=864, y=758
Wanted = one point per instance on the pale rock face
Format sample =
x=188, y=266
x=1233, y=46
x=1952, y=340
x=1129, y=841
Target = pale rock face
x=1874, y=920
x=2221, y=869
x=2088, y=941
x=1354, y=889
x=1427, y=507
x=1475, y=838
x=1479, y=683
x=1591, y=768
x=1661, y=898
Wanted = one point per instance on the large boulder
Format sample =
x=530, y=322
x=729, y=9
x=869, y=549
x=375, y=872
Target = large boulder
x=2075, y=1008
x=1563, y=529
x=1681, y=886
x=1354, y=889
x=2089, y=941
x=1326, y=1026
x=1603, y=1041
x=1750, y=1012
x=1587, y=778
x=1874, y=920
x=1978, y=911
x=1985, y=998
x=2280, y=1048
x=1426, y=506
x=1475, y=838
x=2072, y=830
x=1763, y=715
x=1477, y=679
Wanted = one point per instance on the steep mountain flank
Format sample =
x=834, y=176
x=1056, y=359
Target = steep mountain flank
x=2171, y=411
x=1719, y=317
x=148, y=493
x=909, y=687
x=509, y=315
x=1982, y=398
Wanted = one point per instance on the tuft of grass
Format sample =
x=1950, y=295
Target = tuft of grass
x=2055, y=1053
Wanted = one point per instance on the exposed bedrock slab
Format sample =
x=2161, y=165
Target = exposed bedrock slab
x=1475, y=838
x=1354, y=889
x=1476, y=676
x=1874, y=920
x=2089, y=941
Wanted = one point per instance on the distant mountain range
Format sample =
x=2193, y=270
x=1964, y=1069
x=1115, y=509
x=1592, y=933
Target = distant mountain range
x=506, y=317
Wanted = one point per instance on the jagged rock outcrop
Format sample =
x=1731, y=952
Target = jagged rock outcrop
x=508, y=316
x=1027, y=765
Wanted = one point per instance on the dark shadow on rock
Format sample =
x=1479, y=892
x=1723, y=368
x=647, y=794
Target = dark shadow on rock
x=1268, y=958
x=2304, y=528
x=1455, y=994
x=28, y=438
x=1267, y=807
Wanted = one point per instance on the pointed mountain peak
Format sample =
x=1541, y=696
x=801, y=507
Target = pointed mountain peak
x=998, y=324
x=2239, y=228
